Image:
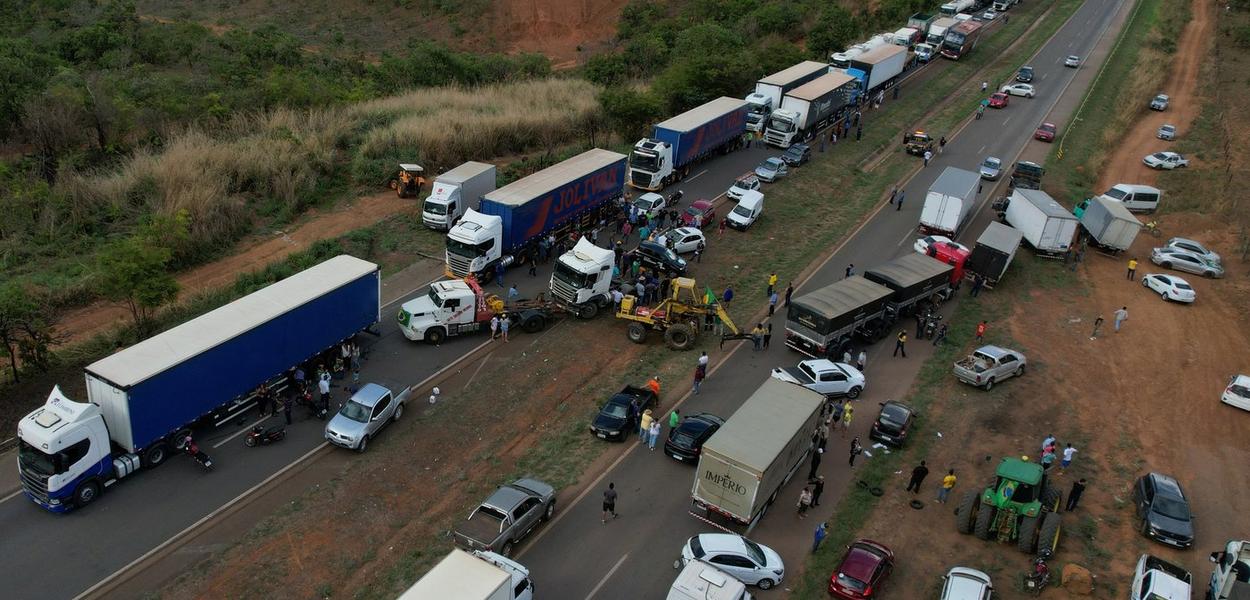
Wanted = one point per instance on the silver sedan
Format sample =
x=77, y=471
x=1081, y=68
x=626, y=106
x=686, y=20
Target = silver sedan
x=1175, y=258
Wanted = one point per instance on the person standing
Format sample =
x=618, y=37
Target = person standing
x=287, y=401
x=985, y=85
x=789, y=292
x=728, y=296
x=721, y=229
x=513, y=293
x=818, y=486
x=654, y=433
x=504, y=323
x=981, y=330
x=703, y=360
x=900, y=344
x=1120, y=317
x=941, y=335
x=819, y=536
x=942, y=145
x=499, y=269
x=805, y=500
x=847, y=414
x=323, y=386
x=1048, y=441
x=1068, y=454
x=816, y=457
x=861, y=361
x=927, y=155
x=1048, y=459
x=1074, y=495
x=644, y=426
x=494, y=327
x=977, y=282
x=768, y=335
x=850, y=270
x=674, y=418
x=917, y=477
x=757, y=337
x=899, y=202
x=948, y=483
x=772, y=283
x=699, y=373
x=893, y=193
x=609, y=502
x=856, y=449
x=1132, y=268
x=772, y=302
x=653, y=384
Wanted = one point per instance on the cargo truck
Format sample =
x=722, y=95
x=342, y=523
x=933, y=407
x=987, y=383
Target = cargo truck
x=456, y=191
x=822, y=323
x=678, y=143
x=459, y=306
x=744, y=465
x=878, y=68
x=921, y=22
x=993, y=252
x=937, y=31
x=810, y=108
x=961, y=39
x=142, y=401
x=1044, y=223
x=511, y=220
x=906, y=36
x=582, y=279
x=1230, y=578
x=914, y=280
x=770, y=90
x=842, y=60
x=473, y=576
x=949, y=202
x=955, y=7
x=1109, y=224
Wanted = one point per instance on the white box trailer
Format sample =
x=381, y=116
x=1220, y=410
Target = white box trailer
x=949, y=202
x=1045, y=224
x=455, y=192
x=745, y=463
x=1109, y=224
x=477, y=576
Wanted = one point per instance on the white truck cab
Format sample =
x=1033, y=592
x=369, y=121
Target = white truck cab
x=455, y=192
x=759, y=106
x=582, y=279
x=474, y=243
x=1157, y=579
x=701, y=581
x=451, y=307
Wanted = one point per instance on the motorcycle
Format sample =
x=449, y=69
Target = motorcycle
x=1039, y=578
x=190, y=448
x=931, y=326
x=305, y=398
x=259, y=436
x=675, y=197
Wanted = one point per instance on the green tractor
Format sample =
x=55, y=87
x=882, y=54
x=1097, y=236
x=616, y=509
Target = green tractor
x=1020, y=507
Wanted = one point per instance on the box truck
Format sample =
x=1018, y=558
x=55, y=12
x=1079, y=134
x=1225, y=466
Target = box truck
x=770, y=90
x=961, y=39
x=809, y=108
x=822, y=323
x=1044, y=223
x=456, y=191
x=842, y=60
x=921, y=22
x=1109, y=224
x=937, y=31
x=477, y=576
x=878, y=68
x=744, y=465
x=142, y=401
x=678, y=143
x=510, y=221
x=955, y=7
x=949, y=202
x=993, y=252
x=906, y=36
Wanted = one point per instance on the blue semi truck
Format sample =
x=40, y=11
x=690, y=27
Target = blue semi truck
x=678, y=143
x=510, y=221
x=143, y=400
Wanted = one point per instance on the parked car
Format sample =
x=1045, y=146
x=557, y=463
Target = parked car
x=1165, y=160
x=650, y=201
x=655, y=256
x=1193, y=247
x=1019, y=89
x=370, y=409
x=700, y=213
x=615, y=421
x=1166, y=132
x=1157, y=579
x=1025, y=75
x=1072, y=60
x=892, y=423
x=772, y=169
x=1045, y=132
x=1169, y=287
x=989, y=15
x=962, y=583
x=1160, y=102
x=988, y=365
x=1238, y=392
x=991, y=168
x=683, y=240
x=822, y=375
x=506, y=517
x=1182, y=260
x=1163, y=510
x=797, y=154
x=745, y=560
x=999, y=100
x=862, y=571
x=685, y=441
x=743, y=183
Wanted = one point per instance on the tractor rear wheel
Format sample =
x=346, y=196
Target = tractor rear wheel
x=966, y=513
x=1051, y=497
x=1027, y=541
x=1048, y=540
x=984, y=527
x=680, y=336
x=637, y=333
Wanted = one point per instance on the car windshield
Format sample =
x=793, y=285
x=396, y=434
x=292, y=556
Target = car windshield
x=572, y=277
x=1172, y=508
x=741, y=211
x=694, y=211
x=782, y=125
x=743, y=184
x=773, y=163
x=355, y=411
x=851, y=583
x=1160, y=155
x=34, y=459
x=614, y=410
x=696, y=548
x=992, y=163
x=682, y=439
x=754, y=551
x=1047, y=127
x=434, y=297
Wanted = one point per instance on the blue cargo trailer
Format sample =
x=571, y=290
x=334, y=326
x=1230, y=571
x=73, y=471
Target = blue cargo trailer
x=142, y=398
x=683, y=140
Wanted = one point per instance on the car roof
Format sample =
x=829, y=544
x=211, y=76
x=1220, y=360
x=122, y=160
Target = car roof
x=966, y=584
x=685, y=231
x=1167, y=485
x=506, y=497
x=1242, y=380
x=700, y=422
x=897, y=404
x=721, y=542
x=369, y=394
x=1184, y=240
x=701, y=203
x=862, y=557
x=995, y=351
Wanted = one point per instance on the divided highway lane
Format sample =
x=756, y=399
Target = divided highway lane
x=632, y=557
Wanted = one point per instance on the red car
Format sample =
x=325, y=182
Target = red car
x=702, y=210
x=998, y=100
x=864, y=568
x=1045, y=132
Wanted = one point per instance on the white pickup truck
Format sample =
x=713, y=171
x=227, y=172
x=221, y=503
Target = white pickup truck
x=824, y=376
x=1231, y=578
x=1157, y=579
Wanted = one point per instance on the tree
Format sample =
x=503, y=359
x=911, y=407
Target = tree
x=832, y=32
x=15, y=308
x=709, y=61
x=133, y=271
x=629, y=111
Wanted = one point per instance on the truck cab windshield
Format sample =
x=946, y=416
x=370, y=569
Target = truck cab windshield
x=34, y=459
x=573, y=277
x=782, y=125
x=954, y=40
x=472, y=250
x=435, y=208
x=646, y=162
x=435, y=298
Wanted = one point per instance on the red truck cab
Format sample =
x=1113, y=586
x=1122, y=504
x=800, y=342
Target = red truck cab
x=952, y=255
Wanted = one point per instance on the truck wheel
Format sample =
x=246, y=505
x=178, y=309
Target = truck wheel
x=435, y=336
x=853, y=393
x=588, y=310
x=637, y=333
x=533, y=324
x=155, y=455
x=1052, y=527
x=679, y=336
x=984, y=527
x=966, y=513
x=506, y=550
x=1027, y=542
x=989, y=384
x=86, y=493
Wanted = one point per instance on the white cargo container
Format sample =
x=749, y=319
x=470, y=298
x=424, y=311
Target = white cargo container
x=1110, y=225
x=455, y=192
x=1045, y=224
x=477, y=576
x=949, y=202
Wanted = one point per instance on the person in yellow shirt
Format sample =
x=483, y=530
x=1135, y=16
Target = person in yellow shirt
x=1132, y=268
x=772, y=283
x=948, y=482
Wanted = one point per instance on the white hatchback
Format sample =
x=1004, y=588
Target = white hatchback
x=684, y=239
x=1019, y=89
x=745, y=560
x=962, y=583
x=1238, y=392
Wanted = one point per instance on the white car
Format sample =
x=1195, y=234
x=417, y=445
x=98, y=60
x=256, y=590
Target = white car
x=1238, y=392
x=1073, y=61
x=743, y=184
x=1169, y=287
x=1019, y=89
x=1193, y=247
x=745, y=560
x=989, y=15
x=922, y=244
x=650, y=201
x=1165, y=160
x=962, y=583
x=684, y=239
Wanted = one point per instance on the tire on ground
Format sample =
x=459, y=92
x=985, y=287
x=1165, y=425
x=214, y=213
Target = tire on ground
x=1052, y=527
x=680, y=336
x=984, y=527
x=1027, y=540
x=533, y=324
x=637, y=333
x=965, y=514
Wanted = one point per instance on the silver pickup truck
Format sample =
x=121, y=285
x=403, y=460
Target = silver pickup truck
x=989, y=365
x=507, y=516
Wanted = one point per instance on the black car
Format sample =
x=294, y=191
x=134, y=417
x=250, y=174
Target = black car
x=892, y=423
x=615, y=421
x=686, y=440
x=655, y=256
x=1025, y=75
x=1163, y=510
x=797, y=154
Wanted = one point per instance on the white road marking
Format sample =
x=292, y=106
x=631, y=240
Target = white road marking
x=606, y=577
x=473, y=377
x=981, y=149
x=906, y=236
x=697, y=175
x=11, y=496
x=1043, y=75
x=1008, y=120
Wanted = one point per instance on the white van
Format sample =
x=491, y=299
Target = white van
x=701, y=581
x=749, y=208
x=1136, y=198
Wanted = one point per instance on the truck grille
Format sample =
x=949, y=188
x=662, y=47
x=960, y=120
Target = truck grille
x=35, y=484
x=563, y=291
x=459, y=265
x=775, y=140
x=640, y=179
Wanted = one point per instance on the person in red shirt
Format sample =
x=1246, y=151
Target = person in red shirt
x=981, y=330
x=654, y=386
